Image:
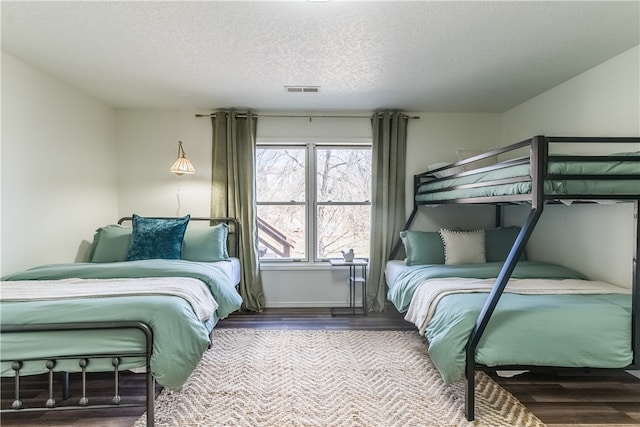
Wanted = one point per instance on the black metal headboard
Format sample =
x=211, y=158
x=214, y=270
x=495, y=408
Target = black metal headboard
x=233, y=239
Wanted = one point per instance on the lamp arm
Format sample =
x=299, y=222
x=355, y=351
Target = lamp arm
x=181, y=152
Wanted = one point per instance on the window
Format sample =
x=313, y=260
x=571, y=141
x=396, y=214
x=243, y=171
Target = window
x=313, y=200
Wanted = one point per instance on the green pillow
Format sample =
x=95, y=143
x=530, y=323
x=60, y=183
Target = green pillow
x=206, y=244
x=422, y=247
x=426, y=247
x=154, y=238
x=498, y=243
x=110, y=243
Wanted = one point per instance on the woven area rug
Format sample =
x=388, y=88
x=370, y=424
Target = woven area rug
x=273, y=378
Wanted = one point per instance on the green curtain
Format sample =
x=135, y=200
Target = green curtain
x=388, y=198
x=233, y=193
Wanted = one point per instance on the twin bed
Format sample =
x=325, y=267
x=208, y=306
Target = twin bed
x=149, y=298
x=478, y=300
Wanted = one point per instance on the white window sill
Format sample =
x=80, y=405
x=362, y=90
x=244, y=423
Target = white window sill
x=294, y=266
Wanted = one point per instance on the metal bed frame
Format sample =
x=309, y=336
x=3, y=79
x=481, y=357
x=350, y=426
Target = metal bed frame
x=538, y=159
x=84, y=359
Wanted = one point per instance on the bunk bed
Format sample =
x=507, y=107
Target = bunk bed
x=530, y=175
x=132, y=306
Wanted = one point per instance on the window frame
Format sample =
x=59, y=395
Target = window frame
x=311, y=203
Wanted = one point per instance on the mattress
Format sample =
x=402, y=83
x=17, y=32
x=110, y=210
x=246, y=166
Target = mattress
x=534, y=330
x=232, y=269
x=392, y=270
x=555, y=186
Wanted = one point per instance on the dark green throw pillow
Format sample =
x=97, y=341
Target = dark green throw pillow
x=498, y=243
x=154, y=238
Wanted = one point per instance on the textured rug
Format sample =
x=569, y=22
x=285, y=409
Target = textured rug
x=259, y=378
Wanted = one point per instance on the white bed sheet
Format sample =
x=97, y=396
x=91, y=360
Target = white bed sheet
x=232, y=269
x=393, y=269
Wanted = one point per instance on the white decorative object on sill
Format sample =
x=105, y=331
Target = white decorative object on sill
x=348, y=256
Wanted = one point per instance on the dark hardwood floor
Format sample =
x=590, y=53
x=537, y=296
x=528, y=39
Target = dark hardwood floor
x=558, y=399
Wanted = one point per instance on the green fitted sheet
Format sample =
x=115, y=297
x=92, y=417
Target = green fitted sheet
x=555, y=187
x=180, y=338
x=539, y=330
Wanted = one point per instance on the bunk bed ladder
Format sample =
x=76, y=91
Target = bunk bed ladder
x=539, y=149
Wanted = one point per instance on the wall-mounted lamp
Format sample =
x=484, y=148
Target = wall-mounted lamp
x=182, y=165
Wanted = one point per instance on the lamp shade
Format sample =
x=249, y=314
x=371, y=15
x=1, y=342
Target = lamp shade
x=182, y=165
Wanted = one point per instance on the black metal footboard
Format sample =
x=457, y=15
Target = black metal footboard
x=83, y=362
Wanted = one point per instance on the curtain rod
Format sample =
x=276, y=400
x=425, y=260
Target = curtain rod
x=305, y=116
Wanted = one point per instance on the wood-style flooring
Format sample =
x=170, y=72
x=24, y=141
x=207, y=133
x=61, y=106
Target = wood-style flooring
x=607, y=399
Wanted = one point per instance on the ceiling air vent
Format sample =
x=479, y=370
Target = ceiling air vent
x=302, y=89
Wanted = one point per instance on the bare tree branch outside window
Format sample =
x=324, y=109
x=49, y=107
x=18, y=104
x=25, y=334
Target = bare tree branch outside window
x=342, y=214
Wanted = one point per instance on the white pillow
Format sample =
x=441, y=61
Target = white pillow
x=463, y=247
x=443, y=173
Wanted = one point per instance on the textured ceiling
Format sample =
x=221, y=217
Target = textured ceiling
x=415, y=56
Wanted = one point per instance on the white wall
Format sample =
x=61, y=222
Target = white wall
x=147, y=147
x=604, y=101
x=58, y=168
x=434, y=138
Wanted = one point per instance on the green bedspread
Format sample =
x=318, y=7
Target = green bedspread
x=538, y=330
x=558, y=187
x=180, y=338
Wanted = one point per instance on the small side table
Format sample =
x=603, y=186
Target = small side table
x=354, y=279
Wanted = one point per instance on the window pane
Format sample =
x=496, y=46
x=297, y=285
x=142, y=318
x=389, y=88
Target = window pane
x=343, y=174
x=343, y=227
x=280, y=174
x=281, y=231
